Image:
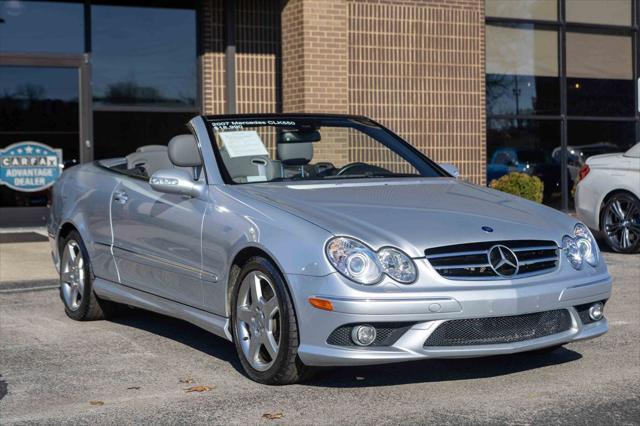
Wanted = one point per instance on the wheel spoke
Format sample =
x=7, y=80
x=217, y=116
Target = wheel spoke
x=244, y=314
x=66, y=293
x=74, y=296
x=270, y=307
x=613, y=228
x=256, y=290
x=254, y=349
x=270, y=345
x=72, y=253
x=616, y=208
x=635, y=228
x=624, y=240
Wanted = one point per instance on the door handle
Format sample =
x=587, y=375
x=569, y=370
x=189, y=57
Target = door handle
x=120, y=197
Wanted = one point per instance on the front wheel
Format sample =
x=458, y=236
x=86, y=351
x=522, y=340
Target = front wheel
x=620, y=223
x=76, y=282
x=265, y=330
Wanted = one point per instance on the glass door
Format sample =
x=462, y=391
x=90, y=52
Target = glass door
x=40, y=121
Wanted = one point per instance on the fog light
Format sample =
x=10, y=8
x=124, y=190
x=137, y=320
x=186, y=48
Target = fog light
x=596, y=311
x=363, y=335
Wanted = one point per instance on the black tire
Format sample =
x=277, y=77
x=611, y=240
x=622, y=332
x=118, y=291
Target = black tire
x=286, y=368
x=90, y=307
x=612, y=225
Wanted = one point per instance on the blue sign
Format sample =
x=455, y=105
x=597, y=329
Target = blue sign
x=30, y=166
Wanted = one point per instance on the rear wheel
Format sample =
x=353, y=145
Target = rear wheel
x=265, y=330
x=76, y=282
x=620, y=223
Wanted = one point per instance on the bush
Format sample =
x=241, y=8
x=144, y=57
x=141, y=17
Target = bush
x=520, y=184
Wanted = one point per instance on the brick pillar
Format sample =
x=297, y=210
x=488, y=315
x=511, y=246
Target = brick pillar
x=314, y=56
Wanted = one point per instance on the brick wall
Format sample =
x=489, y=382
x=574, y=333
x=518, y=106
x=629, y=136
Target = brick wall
x=418, y=68
x=212, y=57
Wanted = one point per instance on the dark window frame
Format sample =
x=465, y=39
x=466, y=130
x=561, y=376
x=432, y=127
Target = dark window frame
x=562, y=26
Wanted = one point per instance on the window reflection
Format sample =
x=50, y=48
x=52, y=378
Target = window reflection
x=609, y=12
x=525, y=146
x=599, y=75
x=144, y=56
x=523, y=9
x=522, y=71
x=41, y=27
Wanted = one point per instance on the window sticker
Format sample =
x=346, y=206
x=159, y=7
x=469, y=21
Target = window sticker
x=243, y=143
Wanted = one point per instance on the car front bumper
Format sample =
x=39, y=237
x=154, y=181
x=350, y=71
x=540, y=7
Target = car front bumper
x=429, y=309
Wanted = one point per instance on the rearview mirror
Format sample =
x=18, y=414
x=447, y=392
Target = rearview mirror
x=176, y=181
x=451, y=169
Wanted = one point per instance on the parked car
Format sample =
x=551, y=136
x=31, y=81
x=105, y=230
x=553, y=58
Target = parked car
x=608, y=198
x=525, y=160
x=577, y=155
x=322, y=240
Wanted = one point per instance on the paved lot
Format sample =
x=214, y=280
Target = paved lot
x=136, y=368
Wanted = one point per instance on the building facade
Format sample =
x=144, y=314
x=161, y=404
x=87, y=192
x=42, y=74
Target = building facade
x=530, y=85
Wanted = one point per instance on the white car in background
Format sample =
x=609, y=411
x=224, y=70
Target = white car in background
x=608, y=198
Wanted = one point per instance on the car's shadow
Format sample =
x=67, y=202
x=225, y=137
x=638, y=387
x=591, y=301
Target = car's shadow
x=179, y=331
x=345, y=377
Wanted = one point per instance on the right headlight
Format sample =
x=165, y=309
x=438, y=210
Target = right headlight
x=580, y=248
x=361, y=264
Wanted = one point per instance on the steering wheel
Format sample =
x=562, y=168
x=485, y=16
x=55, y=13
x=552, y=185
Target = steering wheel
x=362, y=169
x=344, y=170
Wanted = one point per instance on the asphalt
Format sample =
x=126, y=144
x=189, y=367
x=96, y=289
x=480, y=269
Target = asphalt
x=137, y=368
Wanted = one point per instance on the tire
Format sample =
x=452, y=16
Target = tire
x=265, y=330
x=76, y=282
x=620, y=223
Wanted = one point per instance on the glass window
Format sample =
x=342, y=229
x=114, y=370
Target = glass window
x=41, y=27
x=611, y=12
x=522, y=71
x=599, y=75
x=118, y=133
x=525, y=146
x=144, y=56
x=523, y=9
x=41, y=105
x=313, y=149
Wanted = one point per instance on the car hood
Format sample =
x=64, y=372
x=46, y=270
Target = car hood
x=414, y=214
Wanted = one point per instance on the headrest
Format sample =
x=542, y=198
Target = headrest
x=149, y=148
x=295, y=154
x=183, y=151
x=241, y=167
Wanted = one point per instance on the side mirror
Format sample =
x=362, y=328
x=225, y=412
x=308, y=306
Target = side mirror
x=451, y=169
x=176, y=181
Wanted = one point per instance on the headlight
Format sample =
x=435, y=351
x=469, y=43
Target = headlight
x=580, y=248
x=361, y=264
x=397, y=265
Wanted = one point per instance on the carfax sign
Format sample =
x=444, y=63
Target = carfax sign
x=30, y=166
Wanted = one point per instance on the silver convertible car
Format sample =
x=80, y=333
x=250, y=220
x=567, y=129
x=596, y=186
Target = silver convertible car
x=321, y=240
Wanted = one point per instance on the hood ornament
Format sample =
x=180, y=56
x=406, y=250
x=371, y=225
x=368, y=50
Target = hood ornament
x=503, y=261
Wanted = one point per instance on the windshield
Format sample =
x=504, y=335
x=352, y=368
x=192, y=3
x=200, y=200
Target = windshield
x=251, y=150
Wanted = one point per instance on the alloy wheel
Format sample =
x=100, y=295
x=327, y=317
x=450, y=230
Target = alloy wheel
x=72, y=275
x=622, y=223
x=258, y=320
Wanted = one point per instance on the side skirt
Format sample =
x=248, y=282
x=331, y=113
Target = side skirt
x=123, y=294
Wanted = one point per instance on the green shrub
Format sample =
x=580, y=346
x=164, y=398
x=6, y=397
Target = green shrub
x=520, y=184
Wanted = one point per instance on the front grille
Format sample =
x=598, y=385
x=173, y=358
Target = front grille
x=471, y=261
x=387, y=333
x=495, y=330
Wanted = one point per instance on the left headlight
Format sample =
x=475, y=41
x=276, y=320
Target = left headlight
x=361, y=264
x=581, y=247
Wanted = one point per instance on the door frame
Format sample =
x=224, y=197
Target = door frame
x=80, y=62
x=36, y=216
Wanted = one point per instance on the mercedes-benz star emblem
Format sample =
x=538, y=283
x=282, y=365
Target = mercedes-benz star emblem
x=503, y=261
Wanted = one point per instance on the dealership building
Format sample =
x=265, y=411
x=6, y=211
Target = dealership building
x=491, y=86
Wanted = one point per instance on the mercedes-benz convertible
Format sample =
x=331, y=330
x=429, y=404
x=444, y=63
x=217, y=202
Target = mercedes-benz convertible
x=321, y=240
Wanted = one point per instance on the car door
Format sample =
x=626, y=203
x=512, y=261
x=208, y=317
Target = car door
x=157, y=241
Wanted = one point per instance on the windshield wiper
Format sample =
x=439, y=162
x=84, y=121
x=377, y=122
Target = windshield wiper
x=372, y=175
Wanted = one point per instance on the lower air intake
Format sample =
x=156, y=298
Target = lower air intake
x=496, y=330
